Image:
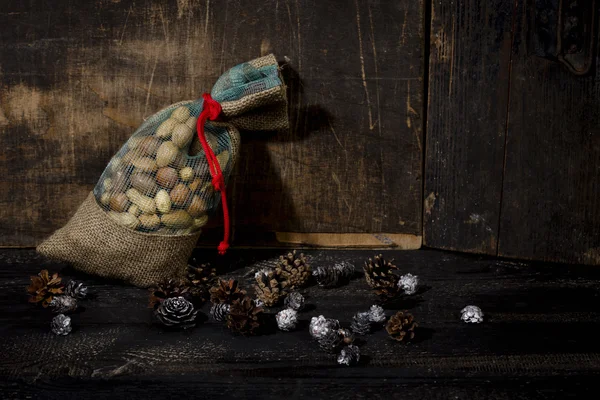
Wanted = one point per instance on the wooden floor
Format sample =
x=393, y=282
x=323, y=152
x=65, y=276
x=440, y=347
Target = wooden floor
x=540, y=339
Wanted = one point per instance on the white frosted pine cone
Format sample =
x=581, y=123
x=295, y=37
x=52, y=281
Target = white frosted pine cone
x=377, y=314
x=472, y=314
x=320, y=326
x=409, y=283
x=287, y=319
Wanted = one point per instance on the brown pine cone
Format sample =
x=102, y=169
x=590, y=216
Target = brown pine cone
x=243, y=317
x=294, y=269
x=44, y=287
x=226, y=292
x=201, y=274
x=167, y=289
x=401, y=326
x=380, y=276
x=270, y=287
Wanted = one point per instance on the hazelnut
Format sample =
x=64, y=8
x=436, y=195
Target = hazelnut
x=119, y=202
x=180, y=195
x=166, y=177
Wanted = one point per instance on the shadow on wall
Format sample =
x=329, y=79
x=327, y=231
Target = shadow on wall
x=262, y=202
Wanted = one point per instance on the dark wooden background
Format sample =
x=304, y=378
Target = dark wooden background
x=511, y=158
x=513, y=140
x=79, y=77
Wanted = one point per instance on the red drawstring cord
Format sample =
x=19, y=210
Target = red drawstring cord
x=210, y=111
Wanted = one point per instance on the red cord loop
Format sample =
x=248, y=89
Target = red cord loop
x=211, y=107
x=218, y=182
x=211, y=111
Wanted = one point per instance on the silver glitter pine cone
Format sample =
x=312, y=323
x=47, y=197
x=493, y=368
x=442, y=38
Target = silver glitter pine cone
x=76, y=290
x=177, y=311
x=472, y=314
x=63, y=304
x=287, y=319
x=295, y=301
x=219, y=312
x=61, y=325
x=326, y=276
x=320, y=326
x=361, y=323
x=334, y=275
x=346, y=270
x=408, y=283
x=349, y=356
x=331, y=341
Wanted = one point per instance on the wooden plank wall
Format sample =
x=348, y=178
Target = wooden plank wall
x=551, y=197
x=78, y=77
x=513, y=142
x=466, y=125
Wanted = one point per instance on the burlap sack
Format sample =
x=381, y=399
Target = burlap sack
x=143, y=218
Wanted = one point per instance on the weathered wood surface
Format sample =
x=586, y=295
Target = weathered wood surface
x=519, y=176
x=470, y=45
x=551, y=197
x=539, y=339
x=78, y=78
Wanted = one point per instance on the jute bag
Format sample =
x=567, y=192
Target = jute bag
x=144, y=217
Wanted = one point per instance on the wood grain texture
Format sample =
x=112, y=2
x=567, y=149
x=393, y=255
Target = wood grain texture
x=466, y=123
x=551, y=206
x=78, y=78
x=538, y=341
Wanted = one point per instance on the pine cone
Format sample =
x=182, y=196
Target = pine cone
x=168, y=289
x=287, y=319
x=226, y=292
x=201, y=274
x=401, y=326
x=334, y=275
x=377, y=314
x=219, y=311
x=380, y=276
x=346, y=270
x=63, y=304
x=361, y=323
x=76, y=290
x=320, y=326
x=44, y=287
x=350, y=355
x=408, y=283
x=270, y=287
x=244, y=317
x=471, y=314
x=294, y=269
x=326, y=276
x=61, y=325
x=177, y=311
x=295, y=301
x=331, y=341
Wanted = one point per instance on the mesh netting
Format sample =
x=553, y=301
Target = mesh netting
x=159, y=180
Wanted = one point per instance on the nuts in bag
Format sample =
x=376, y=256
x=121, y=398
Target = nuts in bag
x=144, y=217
